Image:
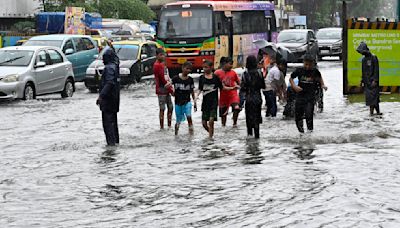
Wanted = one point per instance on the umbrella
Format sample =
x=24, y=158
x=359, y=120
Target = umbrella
x=274, y=49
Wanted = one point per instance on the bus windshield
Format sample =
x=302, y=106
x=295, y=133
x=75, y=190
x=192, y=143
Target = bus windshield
x=185, y=23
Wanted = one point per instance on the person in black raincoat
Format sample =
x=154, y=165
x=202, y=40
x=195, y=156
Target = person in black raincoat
x=251, y=86
x=109, y=97
x=370, y=78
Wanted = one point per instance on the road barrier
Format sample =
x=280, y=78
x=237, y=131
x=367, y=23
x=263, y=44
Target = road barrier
x=383, y=39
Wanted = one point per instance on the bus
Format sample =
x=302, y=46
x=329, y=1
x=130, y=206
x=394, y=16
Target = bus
x=198, y=30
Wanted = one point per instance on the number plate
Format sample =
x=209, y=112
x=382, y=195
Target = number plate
x=181, y=60
x=325, y=51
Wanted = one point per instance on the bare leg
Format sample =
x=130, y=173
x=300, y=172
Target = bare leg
x=169, y=118
x=211, y=127
x=205, y=125
x=176, y=128
x=190, y=122
x=223, y=120
x=235, y=117
x=161, y=119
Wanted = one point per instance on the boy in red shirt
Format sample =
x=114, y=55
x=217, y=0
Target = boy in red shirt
x=229, y=96
x=164, y=88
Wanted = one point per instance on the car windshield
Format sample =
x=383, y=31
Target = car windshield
x=15, y=57
x=52, y=43
x=292, y=37
x=329, y=34
x=125, y=51
x=185, y=23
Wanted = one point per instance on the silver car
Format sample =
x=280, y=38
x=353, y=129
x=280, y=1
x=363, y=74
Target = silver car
x=28, y=71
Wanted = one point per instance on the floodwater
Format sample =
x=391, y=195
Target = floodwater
x=56, y=171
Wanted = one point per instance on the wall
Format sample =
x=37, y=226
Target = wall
x=19, y=8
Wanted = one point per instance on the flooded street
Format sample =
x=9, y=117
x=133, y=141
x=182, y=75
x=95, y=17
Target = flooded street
x=56, y=171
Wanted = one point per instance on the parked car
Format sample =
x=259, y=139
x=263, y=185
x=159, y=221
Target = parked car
x=136, y=60
x=20, y=42
x=330, y=42
x=299, y=42
x=80, y=50
x=29, y=71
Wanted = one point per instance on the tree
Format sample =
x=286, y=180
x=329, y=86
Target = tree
x=126, y=9
x=120, y=9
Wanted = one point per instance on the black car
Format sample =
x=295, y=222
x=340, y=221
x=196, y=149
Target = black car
x=299, y=42
x=136, y=60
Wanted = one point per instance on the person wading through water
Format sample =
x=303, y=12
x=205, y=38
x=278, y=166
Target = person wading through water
x=309, y=80
x=251, y=86
x=370, y=78
x=109, y=97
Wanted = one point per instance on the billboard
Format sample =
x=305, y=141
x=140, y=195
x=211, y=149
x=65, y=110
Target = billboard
x=74, y=20
x=383, y=43
x=297, y=20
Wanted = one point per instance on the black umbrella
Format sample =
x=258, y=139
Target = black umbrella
x=274, y=50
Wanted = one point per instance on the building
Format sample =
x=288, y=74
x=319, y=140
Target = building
x=13, y=11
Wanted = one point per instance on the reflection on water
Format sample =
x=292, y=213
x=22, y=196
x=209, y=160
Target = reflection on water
x=56, y=171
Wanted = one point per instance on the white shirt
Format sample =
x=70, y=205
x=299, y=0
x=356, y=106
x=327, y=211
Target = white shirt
x=274, y=74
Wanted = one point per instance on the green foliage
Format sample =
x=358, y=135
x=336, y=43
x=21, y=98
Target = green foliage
x=23, y=26
x=120, y=9
x=126, y=9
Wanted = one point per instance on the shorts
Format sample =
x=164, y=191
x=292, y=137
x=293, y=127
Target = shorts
x=165, y=100
x=206, y=115
x=223, y=110
x=183, y=111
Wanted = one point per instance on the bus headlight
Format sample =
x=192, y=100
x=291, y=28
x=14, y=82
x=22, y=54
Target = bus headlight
x=10, y=78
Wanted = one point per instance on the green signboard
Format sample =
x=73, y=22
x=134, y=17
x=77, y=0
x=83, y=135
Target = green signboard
x=385, y=44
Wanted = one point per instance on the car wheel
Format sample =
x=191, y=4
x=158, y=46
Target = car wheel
x=29, y=92
x=68, y=89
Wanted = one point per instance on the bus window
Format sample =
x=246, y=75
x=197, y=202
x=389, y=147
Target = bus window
x=249, y=22
x=221, y=24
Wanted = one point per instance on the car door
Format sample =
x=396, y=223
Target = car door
x=80, y=58
x=314, y=49
x=71, y=57
x=89, y=52
x=152, y=58
x=145, y=58
x=60, y=69
x=44, y=74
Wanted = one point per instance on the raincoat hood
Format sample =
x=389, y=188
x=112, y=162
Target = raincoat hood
x=109, y=56
x=363, y=48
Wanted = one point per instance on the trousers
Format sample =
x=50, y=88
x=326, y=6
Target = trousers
x=110, y=126
x=304, y=109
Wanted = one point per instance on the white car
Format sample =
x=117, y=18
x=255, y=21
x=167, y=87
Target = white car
x=29, y=71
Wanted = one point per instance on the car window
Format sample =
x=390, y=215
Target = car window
x=153, y=49
x=144, y=50
x=42, y=57
x=88, y=44
x=55, y=57
x=80, y=45
x=68, y=45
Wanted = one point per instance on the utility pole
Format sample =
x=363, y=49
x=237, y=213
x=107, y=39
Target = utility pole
x=345, y=46
x=398, y=10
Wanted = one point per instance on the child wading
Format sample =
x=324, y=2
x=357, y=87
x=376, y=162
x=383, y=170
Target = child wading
x=209, y=84
x=184, y=87
x=309, y=80
x=164, y=87
x=251, y=86
x=229, y=96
